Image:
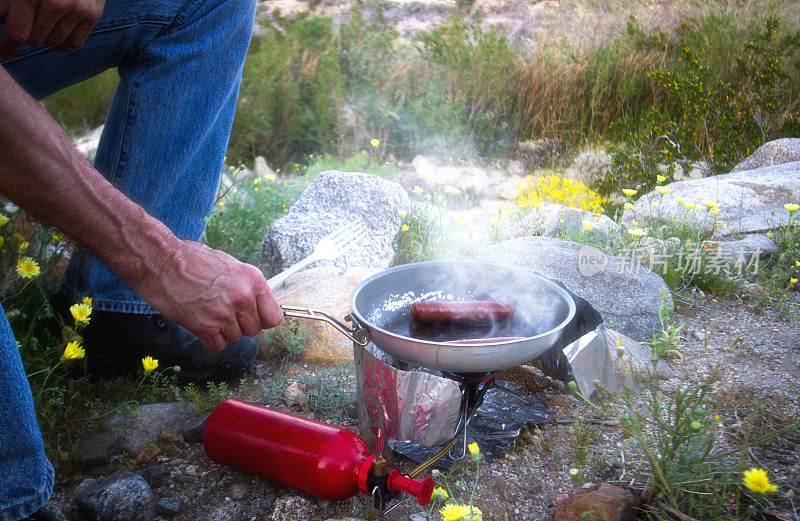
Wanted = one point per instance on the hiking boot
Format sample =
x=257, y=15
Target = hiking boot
x=115, y=344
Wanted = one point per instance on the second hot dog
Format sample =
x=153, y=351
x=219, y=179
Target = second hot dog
x=462, y=312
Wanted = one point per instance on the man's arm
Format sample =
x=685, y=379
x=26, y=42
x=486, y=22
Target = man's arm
x=214, y=296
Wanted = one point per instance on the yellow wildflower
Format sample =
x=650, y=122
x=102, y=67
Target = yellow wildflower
x=24, y=246
x=797, y=263
x=27, y=268
x=628, y=206
x=404, y=227
x=149, y=364
x=418, y=189
x=629, y=192
x=3, y=220
x=792, y=207
x=270, y=177
x=636, y=232
x=402, y=213
x=663, y=190
x=87, y=301
x=474, y=449
x=73, y=351
x=588, y=225
x=710, y=204
x=757, y=480
x=452, y=190
x=453, y=512
x=494, y=221
x=374, y=143
x=660, y=178
x=792, y=281
x=439, y=494
x=81, y=313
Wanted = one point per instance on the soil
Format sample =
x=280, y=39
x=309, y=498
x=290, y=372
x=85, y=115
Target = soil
x=753, y=358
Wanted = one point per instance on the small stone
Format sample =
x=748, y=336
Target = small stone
x=295, y=393
x=154, y=475
x=239, y=491
x=699, y=335
x=192, y=431
x=97, y=449
x=267, y=503
x=170, y=506
x=147, y=455
x=606, y=501
x=124, y=496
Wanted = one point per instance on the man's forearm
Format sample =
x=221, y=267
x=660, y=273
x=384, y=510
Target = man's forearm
x=41, y=170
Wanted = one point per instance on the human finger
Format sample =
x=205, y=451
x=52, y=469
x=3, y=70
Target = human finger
x=19, y=21
x=214, y=342
x=63, y=29
x=47, y=16
x=231, y=331
x=249, y=320
x=76, y=38
x=269, y=311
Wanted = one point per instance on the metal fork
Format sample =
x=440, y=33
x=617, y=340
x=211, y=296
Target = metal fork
x=329, y=247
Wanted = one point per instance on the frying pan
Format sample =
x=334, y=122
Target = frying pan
x=381, y=313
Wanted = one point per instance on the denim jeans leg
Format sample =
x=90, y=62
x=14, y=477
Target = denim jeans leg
x=26, y=477
x=167, y=128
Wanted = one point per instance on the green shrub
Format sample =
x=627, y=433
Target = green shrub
x=82, y=107
x=291, y=95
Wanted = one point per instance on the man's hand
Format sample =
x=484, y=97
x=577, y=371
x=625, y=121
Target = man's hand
x=214, y=296
x=62, y=24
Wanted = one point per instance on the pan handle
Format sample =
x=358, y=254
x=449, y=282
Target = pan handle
x=358, y=333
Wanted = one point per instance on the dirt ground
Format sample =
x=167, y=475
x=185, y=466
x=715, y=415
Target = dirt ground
x=753, y=357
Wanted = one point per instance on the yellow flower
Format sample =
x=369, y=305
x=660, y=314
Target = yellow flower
x=27, y=268
x=3, y=220
x=690, y=206
x=439, y=494
x=711, y=204
x=757, y=480
x=452, y=512
x=494, y=221
x=374, y=143
x=474, y=449
x=588, y=225
x=87, y=301
x=270, y=177
x=474, y=514
x=73, y=351
x=636, y=232
x=769, y=234
x=792, y=281
x=660, y=178
x=81, y=312
x=663, y=190
x=149, y=364
x=402, y=213
x=629, y=192
x=24, y=246
x=797, y=263
x=452, y=190
x=792, y=207
x=404, y=227
x=418, y=189
x=628, y=206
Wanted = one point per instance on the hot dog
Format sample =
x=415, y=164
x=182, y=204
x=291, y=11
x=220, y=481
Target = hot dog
x=462, y=312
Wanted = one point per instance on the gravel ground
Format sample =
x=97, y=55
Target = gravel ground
x=753, y=358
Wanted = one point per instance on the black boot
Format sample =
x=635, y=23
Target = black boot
x=115, y=344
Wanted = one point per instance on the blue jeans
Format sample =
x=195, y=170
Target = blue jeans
x=180, y=64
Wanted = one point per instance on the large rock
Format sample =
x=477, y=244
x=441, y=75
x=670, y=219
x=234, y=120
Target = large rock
x=125, y=496
x=332, y=200
x=603, y=501
x=750, y=201
x=786, y=150
x=627, y=295
x=142, y=428
x=324, y=289
x=554, y=219
x=87, y=145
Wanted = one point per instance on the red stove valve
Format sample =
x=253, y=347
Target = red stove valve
x=326, y=461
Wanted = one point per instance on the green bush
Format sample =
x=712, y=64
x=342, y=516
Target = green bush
x=291, y=95
x=82, y=107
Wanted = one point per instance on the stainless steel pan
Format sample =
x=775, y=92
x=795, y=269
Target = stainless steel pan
x=381, y=313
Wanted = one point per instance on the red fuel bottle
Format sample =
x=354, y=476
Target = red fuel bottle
x=326, y=461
